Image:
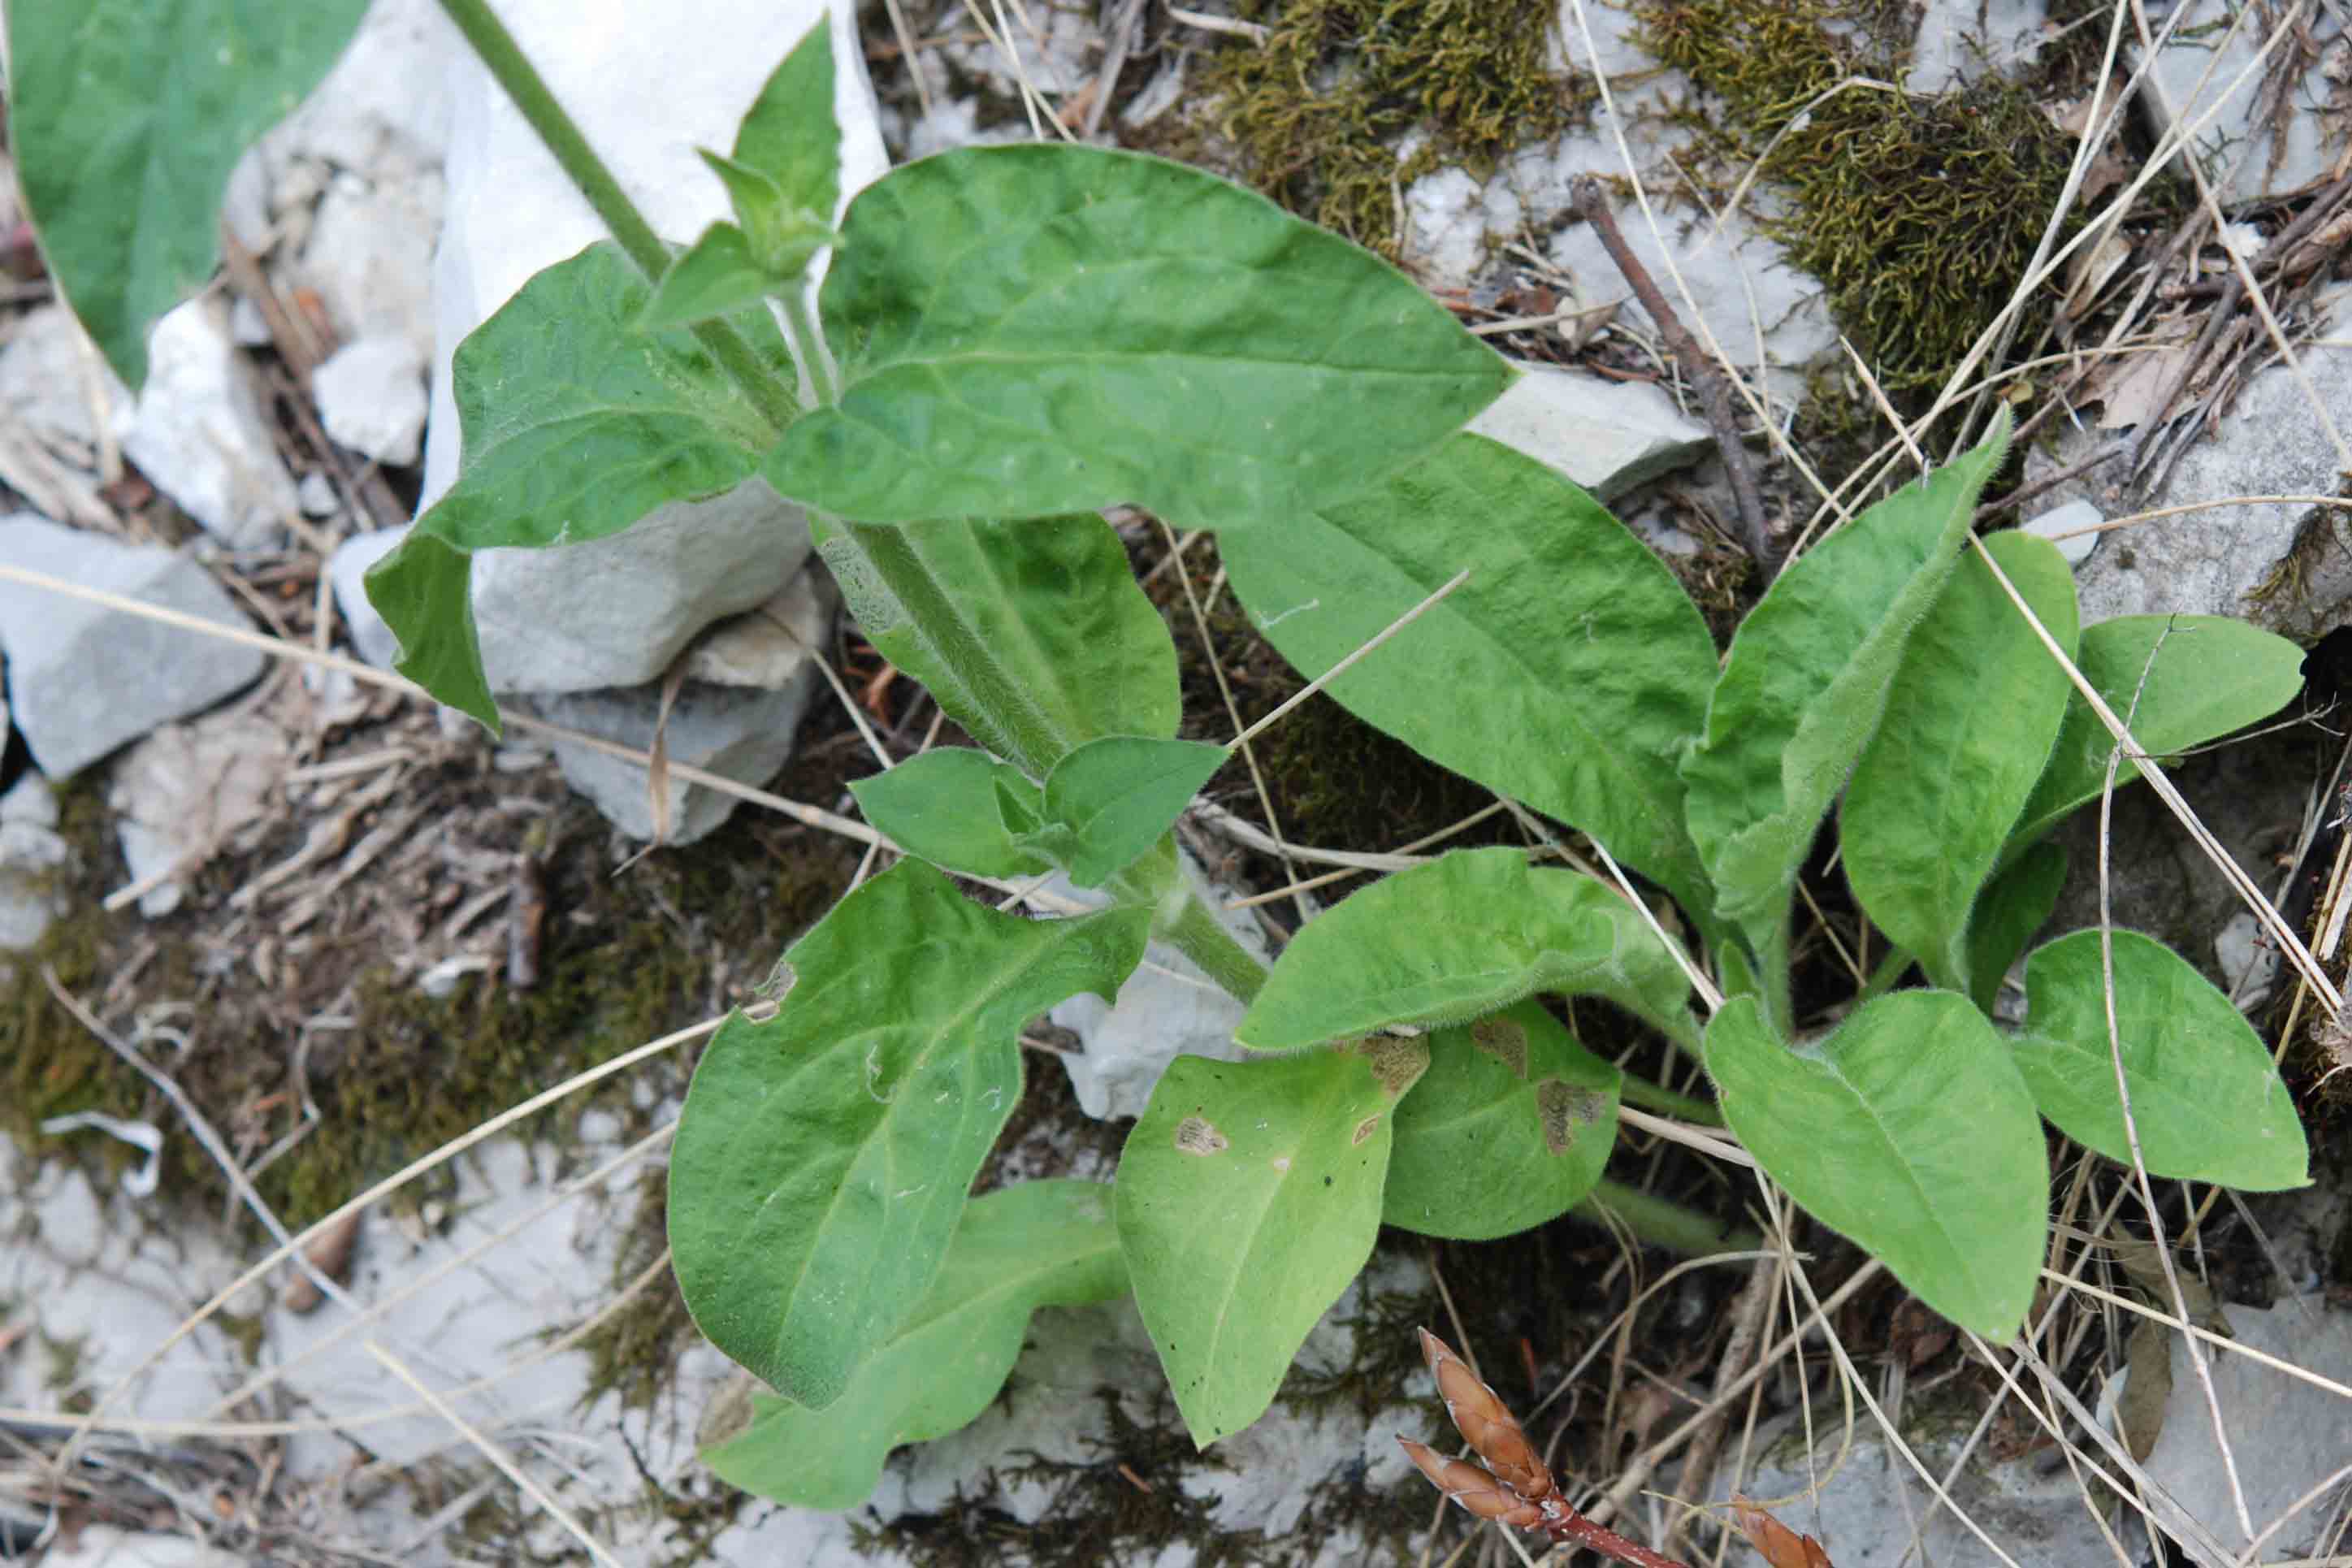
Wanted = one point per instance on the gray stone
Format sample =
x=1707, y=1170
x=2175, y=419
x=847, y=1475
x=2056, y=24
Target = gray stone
x=316, y=493
x=47, y=380
x=103, y=1546
x=83, y=680
x=2250, y=150
x=1959, y=40
x=31, y=854
x=2059, y=524
x=369, y=257
x=1605, y=436
x=2232, y=560
x=199, y=433
x=1168, y=1008
x=2285, y=1434
x=370, y=638
x=179, y=795
x=371, y=397
x=769, y=647
x=737, y=732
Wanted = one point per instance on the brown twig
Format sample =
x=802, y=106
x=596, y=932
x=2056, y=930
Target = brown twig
x=1590, y=201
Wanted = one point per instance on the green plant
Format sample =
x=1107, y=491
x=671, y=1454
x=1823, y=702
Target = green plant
x=1009, y=337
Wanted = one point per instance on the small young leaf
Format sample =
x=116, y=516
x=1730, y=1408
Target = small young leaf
x=1968, y=726
x=2209, y=1105
x=1807, y=681
x=1039, y=1244
x=125, y=118
x=1039, y=329
x=1249, y=1195
x=2195, y=678
x=575, y=425
x=942, y=805
x=716, y=276
x=1117, y=794
x=823, y=1156
x=1471, y=931
x=749, y=191
x=1580, y=667
x=1508, y=1128
x=789, y=134
x=1073, y=638
x=777, y=237
x=1908, y=1129
x=2014, y=905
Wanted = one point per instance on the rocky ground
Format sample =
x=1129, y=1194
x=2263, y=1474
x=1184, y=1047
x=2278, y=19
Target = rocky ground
x=278, y=931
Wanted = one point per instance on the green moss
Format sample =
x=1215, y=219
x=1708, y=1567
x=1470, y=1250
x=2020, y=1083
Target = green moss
x=1319, y=107
x=633, y=1352
x=1919, y=214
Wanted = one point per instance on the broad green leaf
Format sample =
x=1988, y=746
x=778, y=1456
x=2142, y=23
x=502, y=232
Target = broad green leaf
x=2177, y=681
x=1807, y=680
x=790, y=136
x=1909, y=1130
x=1040, y=329
x=1117, y=794
x=1968, y=730
x=1071, y=639
x=1471, y=932
x=575, y=424
x=1249, y=1195
x=942, y=805
x=1569, y=672
x=125, y=118
x=1040, y=1243
x=2014, y=905
x=715, y=277
x=1508, y=1128
x=2209, y=1105
x=823, y=1156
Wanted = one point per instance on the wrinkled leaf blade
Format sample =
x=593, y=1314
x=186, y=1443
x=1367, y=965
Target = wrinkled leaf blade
x=2015, y=904
x=1040, y=1243
x=942, y=805
x=789, y=134
x=1069, y=633
x=1510, y=1126
x=2208, y=1103
x=125, y=118
x=823, y=1156
x=2177, y=681
x=1908, y=1129
x=1807, y=681
x=714, y=276
x=1577, y=667
x=1249, y=1195
x=1969, y=722
x=1469, y=933
x=1117, y=794
x=1036, y=329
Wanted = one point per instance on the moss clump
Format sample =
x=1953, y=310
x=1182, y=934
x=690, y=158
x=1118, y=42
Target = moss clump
x=1317, y=108
x=1919, y=214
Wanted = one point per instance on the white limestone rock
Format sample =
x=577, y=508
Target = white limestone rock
x=198, y=430
x=371, y=397
x=31, y=856
x=83, y=679
x=2059, y=525
x=369, y=257
x=1605, y=436
x=1960, y=40
x=2263, y=154
x=53, y=387
x=371, y=639
x=179, y=795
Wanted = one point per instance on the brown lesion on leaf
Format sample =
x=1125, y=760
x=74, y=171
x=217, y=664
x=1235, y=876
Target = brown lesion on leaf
x=1198, y=1135
x=1506, y=1040
x=1397, y=1060
x=1365, y=1129
x=1566, y=1110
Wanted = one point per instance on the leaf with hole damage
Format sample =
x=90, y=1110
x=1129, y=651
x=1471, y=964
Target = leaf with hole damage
x=575, y=426
x=1117, y=796
x=1042, y=329
x=2205, y=1098
x=824, y=1154
x=1038, y=1244
x=1909, y=1129
x=1471, y=932
x=942, y=806
x=125, y=118
x=1968, y=725
x=1069, y=639
x=1806, y=681
x=1583, y=668
x=2176, y=681
x=1508, y=1128
x=1249, y=1195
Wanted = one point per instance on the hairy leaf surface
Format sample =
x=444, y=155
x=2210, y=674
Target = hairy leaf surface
x=942, y=806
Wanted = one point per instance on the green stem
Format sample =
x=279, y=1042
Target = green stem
x=809, y=343
x=1773, y=961
x=1890, y=969
x=512, y=70
x=1664, y=1223
x=1647, y=1096
x=1198, y=935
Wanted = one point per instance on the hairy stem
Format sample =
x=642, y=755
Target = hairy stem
x=1664, y=1223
